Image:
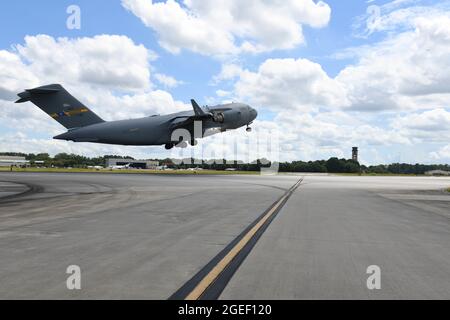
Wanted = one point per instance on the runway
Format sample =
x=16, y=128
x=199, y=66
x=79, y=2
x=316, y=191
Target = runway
x=140, y=236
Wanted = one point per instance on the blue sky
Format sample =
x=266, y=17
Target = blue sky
x=22, y=18
x=342, y=94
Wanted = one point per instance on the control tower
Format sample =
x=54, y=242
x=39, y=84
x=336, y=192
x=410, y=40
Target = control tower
x=355, y=153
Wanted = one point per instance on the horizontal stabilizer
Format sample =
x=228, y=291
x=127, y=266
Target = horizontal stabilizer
x=26, y=95
x=42, y=90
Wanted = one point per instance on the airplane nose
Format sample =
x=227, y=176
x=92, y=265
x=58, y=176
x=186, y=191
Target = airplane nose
x=253, y=113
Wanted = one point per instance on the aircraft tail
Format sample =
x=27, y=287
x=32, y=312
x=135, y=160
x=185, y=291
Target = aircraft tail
x=60, y=105
x=197, y=110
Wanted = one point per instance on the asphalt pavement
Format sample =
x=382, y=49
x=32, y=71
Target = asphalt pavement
x=140, y=236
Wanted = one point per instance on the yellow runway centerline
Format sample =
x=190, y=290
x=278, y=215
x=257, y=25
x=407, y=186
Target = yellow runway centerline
x=197, y=292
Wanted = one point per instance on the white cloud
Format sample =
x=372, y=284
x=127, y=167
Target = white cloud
x=432, y=126
x=409, y=71
x=406, y=72
x=394, y=95
x=336, y=130
x=229, y=71
x=222, y=93
x=14, y=75
x=128, y=106
x=395, y=16
x=289, y=84
x=110, y=74
x=443, y=154
x=433, y=121
x=104, y=60
x=26, y=117
x=224, y=27
x=167, y=81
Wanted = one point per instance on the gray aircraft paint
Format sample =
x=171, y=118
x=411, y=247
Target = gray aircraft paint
x=85, y=126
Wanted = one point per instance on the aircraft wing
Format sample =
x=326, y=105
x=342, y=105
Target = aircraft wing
x=199, y=115
x=221, y=109
x=183, y=120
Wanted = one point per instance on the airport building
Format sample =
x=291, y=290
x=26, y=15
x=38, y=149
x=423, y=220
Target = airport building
x=437, y=173
x=138, y=164
x=8, y=161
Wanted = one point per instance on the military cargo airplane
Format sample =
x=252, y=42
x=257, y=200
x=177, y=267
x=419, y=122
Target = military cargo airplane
x=85, y=126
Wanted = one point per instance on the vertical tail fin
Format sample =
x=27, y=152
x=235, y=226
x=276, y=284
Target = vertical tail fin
x=60, y=105
x=197, y=109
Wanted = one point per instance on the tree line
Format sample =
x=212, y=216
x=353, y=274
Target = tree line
x=332, y=165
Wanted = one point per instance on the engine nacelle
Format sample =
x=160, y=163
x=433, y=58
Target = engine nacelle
x=218, y=117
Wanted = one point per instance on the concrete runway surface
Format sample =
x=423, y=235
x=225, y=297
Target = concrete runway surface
x=145, y=236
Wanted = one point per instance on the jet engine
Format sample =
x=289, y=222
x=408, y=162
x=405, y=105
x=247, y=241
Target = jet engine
x=218, y=117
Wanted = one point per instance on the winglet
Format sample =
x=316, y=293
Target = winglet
x=197, y=110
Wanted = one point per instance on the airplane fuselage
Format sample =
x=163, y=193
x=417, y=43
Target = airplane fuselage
x=158, y=129
x=176, y=129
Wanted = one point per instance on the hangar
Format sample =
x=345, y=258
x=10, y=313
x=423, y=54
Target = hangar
x=437, y=173
x=139, y=164
x=8, y=161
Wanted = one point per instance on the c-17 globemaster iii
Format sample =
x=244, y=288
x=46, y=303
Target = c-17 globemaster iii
x=85, y=126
